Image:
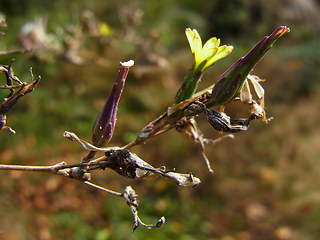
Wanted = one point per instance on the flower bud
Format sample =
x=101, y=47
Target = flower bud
x=231, y=81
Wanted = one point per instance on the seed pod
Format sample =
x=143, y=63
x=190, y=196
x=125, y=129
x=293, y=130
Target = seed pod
x=105, y=122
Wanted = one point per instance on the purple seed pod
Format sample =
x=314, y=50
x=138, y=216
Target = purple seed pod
x=103, y=127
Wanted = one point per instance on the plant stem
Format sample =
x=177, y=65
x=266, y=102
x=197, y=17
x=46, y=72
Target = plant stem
x=27, y=168
x=103, y=189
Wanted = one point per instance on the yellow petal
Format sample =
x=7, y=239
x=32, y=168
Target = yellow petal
x=221, y=53
x=197, y=47
x=210, y=48
x=189, y=34
x=212, y=42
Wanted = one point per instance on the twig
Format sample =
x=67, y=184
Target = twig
x=132, y=200
x=26, y=168
x=103, y=189
x=129, y=195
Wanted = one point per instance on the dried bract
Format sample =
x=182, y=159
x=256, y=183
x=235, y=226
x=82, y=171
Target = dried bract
x=223, y=123
x=131, y=198
x=130, y=165
x=17, y=90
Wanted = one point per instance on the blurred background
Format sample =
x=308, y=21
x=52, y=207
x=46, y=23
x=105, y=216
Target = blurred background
x=264, y=184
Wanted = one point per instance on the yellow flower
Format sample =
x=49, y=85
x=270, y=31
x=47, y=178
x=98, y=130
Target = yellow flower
x=105, y=29
x=203, y=57
x=208, y=54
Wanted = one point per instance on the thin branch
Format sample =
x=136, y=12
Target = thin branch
x=26, y=168
x=103, y=189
